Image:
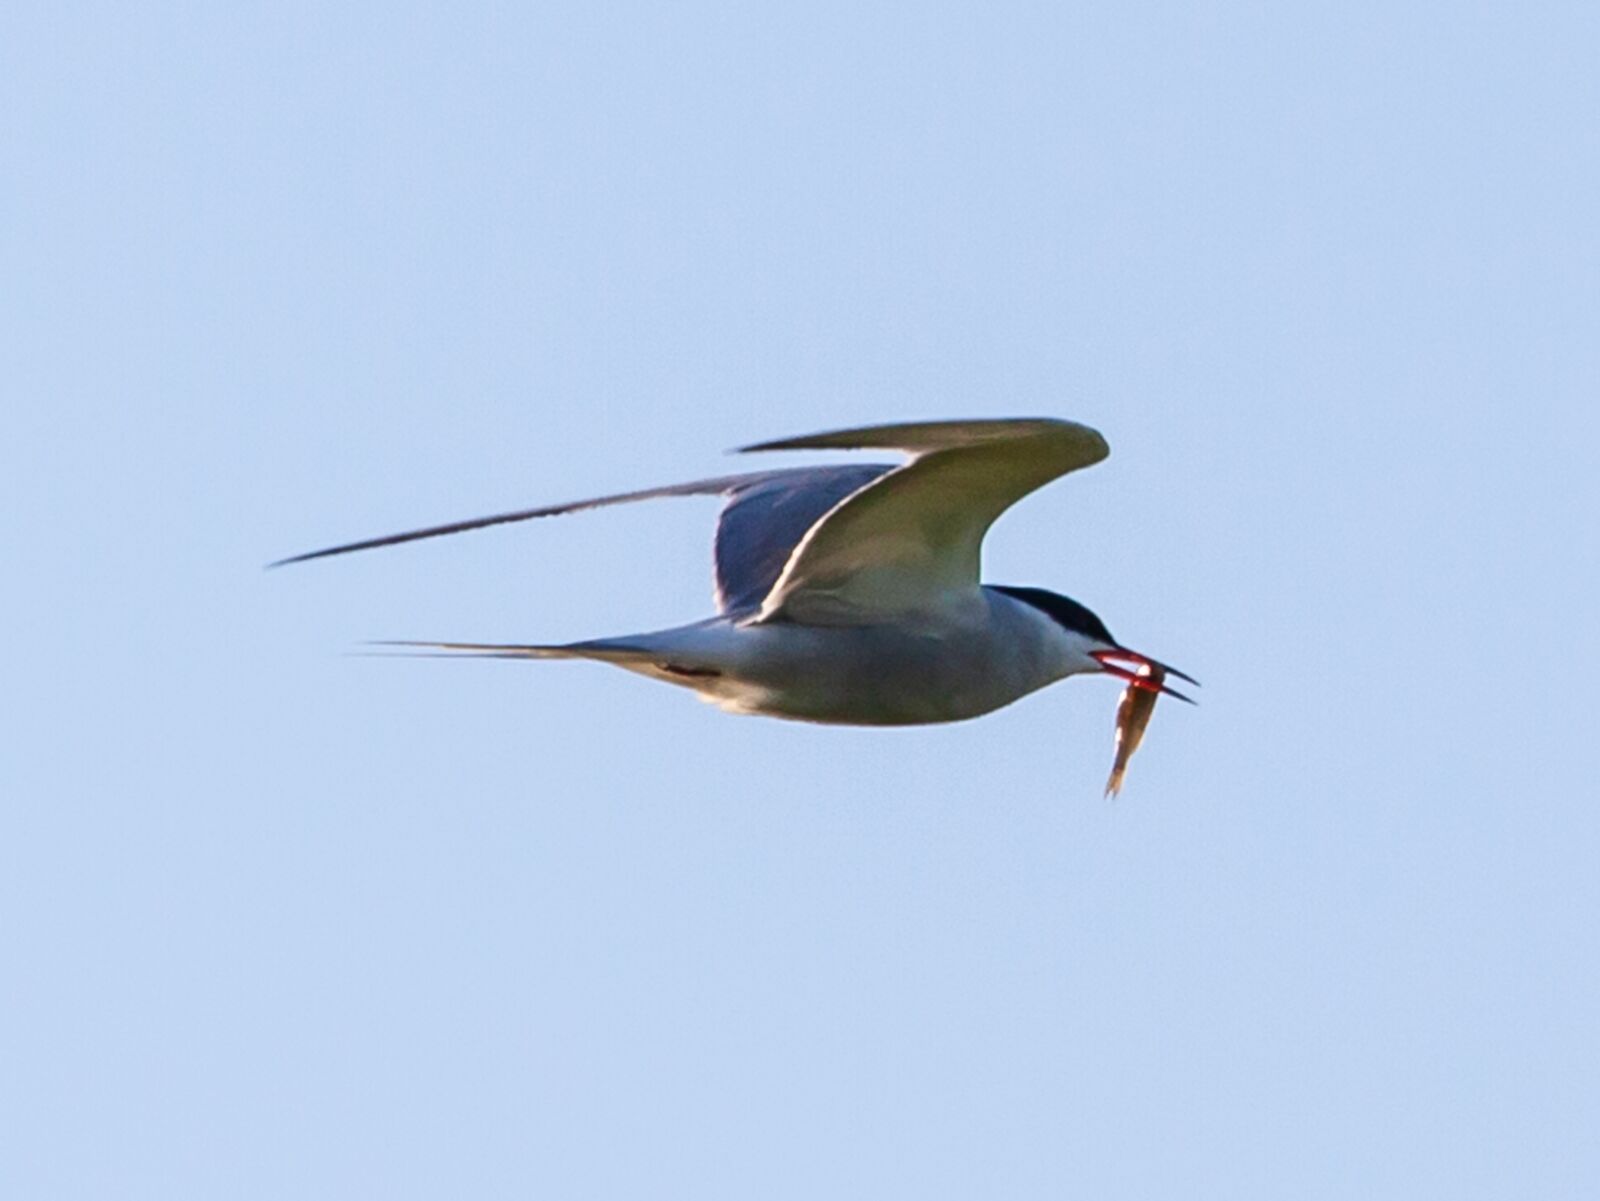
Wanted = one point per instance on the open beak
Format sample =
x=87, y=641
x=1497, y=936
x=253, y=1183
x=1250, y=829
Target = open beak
x=1112, y=662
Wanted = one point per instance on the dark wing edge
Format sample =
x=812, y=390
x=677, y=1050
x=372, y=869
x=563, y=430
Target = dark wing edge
x=719, y=486
x=767, y=514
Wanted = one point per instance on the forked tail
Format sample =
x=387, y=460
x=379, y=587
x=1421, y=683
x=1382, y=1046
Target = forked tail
x=607, y=650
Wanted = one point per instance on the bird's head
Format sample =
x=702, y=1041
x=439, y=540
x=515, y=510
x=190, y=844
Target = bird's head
x=1092, y=643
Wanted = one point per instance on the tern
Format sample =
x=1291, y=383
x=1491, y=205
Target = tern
x=850, y=594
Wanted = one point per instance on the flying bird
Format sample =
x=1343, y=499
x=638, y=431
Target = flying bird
x=850, y=594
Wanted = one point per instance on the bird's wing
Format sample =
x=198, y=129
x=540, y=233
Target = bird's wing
x=912, y=536
x=766, y=514
x=766, y=518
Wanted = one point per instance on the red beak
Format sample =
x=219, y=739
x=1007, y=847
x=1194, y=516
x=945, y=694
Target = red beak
x=1150, y=679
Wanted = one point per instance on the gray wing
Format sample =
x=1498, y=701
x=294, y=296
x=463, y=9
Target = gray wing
x=911, y=538
x=765, y=520
x=766, y=515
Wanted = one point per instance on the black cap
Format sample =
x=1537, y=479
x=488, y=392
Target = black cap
x=1063, y=609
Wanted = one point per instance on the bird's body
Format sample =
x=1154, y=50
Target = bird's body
x=961, y=660
x=850, y=594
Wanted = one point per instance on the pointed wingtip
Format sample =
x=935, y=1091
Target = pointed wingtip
x=325, y=552
x=756, y=446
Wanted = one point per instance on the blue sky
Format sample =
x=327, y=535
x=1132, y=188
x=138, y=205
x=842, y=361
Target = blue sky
x=275, y=921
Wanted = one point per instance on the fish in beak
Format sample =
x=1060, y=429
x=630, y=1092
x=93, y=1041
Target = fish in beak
x=1147, y=680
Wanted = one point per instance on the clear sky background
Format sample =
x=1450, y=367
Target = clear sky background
x=280, y=923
